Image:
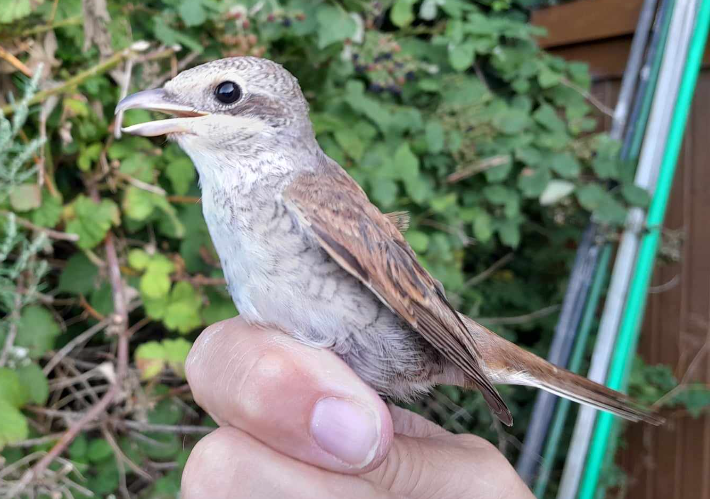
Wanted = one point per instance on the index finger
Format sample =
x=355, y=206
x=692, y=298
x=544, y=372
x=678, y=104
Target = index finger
x=303, y=402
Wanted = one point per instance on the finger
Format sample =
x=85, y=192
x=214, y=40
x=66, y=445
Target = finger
x=444, y=465
x=228, y=463
x=304, y=402
x=411, y=424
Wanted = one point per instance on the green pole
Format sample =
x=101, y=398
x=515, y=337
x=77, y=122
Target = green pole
x=580, y=347
x=636, y=301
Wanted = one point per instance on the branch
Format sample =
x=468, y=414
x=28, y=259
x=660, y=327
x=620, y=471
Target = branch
x=593, y=100
x=52, y=234
x=520, y=319
x=80, y=78
x=119, y=324
x=477, y=279
x=478, y=167
x=15, y=62
x=166, y=428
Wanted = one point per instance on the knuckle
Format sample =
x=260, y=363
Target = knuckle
x=264, y=380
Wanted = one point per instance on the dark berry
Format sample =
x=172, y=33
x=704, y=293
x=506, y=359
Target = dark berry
x=410, y=75
x=398, y=64
x=286, y=22
x=386, y=56
x=360, y=68
x=375, y=87
x=395, y=89
x=356, y=56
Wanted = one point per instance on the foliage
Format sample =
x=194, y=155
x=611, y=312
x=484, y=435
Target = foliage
x=445, y=108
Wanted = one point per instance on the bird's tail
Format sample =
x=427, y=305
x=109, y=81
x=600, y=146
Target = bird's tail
x=507, y=363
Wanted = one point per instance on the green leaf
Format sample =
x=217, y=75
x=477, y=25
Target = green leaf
x=170, y=36
x=138, y=259
x=79, y=447
x=461, y=56
x=405, y=162
x=419, y=241
x=547, y=117
x=139, y=166
x=497, y=194
x=78, y=276
x=14, y=425
x=220, y=307
x=150, y=358
x=48, y=213
x=532, y=182
x=11, y=390
x=511, y=121
x=565, y=164
x=611, y=212
x=25, y=197
x=155, y=284
x=509, y=233
x=99, y=450
x=181, y=174
x=92, y=220
x=36, y=330
x=635, y=195
x=192, y=12
x=548, y=78
x=483, y=226
x=591, y=196
x=138, y=204
x=183, y=311
x=335, y=25
x=351, y=143
x=176, y=353
x=434, y=134
x=89, y=155
x=34, y=383
x=12, y=10
x=402, y=13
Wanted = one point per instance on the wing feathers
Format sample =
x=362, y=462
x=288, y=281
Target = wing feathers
x=370, y=246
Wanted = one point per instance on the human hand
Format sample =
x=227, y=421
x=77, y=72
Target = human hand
x=296, y=423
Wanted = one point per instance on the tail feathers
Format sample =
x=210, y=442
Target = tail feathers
x=584, y=391
x=507, y=363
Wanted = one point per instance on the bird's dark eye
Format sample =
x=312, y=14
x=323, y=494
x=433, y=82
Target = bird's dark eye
x=228, y=92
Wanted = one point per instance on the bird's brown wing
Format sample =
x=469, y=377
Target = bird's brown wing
x=370, y=247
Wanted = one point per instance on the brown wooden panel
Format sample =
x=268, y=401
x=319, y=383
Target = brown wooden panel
x=673, y=462
x=587, y=20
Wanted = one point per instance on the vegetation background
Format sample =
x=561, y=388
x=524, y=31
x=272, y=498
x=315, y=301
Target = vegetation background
x=444, y=108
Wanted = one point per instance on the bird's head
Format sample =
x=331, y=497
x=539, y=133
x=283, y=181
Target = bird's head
x=239, y=104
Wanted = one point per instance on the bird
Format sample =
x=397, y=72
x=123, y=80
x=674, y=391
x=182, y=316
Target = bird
x=304, y=251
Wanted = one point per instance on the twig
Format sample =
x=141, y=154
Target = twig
x=166, y=428
x=12, y=330
x=200, y=280
x=31, y=442
x=182, y=64
x=477, y=279
x=520, y=319
x=15, y=62
x=66, y=438
x=71, y=345
x=52, y=234
x=478, y=167
x=667, y=286
x=184, y=199
x=98, y=69
x=593, y=100
x=141, y=185
x=119, y=324
x=70, y=21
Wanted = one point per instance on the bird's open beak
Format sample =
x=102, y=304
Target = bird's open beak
x=156, y=100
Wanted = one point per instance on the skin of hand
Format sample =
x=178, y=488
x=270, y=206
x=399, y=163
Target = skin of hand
x=296, y=422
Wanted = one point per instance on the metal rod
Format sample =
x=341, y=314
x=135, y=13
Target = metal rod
x=694, y=33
